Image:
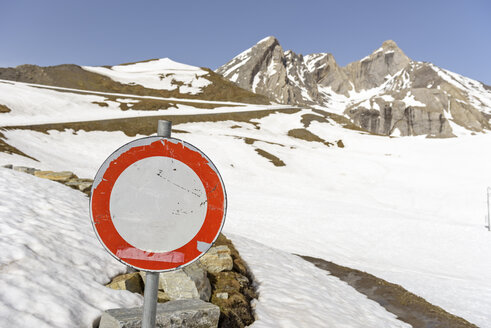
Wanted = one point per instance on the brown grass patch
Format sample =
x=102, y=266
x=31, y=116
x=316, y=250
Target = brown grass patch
x=309, y=118
x=306, y=135
x=272, y=158
x=6, y=148
x=101, y=103
x=407, y=306
x=147, y=125
x=4, y=109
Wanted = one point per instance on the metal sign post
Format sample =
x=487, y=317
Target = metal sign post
x=488, y=218
x=157, y=204
x=152, y=278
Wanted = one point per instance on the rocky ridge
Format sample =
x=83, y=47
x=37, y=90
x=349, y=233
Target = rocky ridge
x=385, y=93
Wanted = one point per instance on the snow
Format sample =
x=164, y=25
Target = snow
x=311, y=60
x=409, y=100
x=234, y=77
x=315, y=300
x=408, y=210
x=53, y=268
x=476, y=93
x=35, y=104
x=157, y=74
x=388, y=98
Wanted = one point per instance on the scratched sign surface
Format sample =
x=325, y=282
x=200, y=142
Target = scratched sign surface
x=157, y=204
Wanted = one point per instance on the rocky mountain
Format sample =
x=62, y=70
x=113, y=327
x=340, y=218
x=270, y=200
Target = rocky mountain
x=386, y=92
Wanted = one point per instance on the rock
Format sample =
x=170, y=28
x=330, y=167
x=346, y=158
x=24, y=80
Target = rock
x=8, y=166
x=222, y=295
x=84, y=185
x=63, y=176
x=217, y=259
x=24, y=169
x=189, y=283
x=162, y=297
x=131, y=282
x=177, y=285
x=199, y=276
x=173, y=314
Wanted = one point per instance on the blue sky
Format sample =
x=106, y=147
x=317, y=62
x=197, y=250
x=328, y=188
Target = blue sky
x=455, y=35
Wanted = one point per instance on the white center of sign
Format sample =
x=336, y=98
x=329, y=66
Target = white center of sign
x=159, y=197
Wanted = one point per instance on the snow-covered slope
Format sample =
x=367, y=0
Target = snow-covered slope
x=386, y=92
x=163, y=74
x=53, y=269
x=409, y=210
x=30, y=103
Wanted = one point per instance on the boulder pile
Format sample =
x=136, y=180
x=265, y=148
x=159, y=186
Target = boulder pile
x=220, y=277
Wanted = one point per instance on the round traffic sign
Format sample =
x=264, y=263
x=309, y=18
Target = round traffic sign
x=157, y=204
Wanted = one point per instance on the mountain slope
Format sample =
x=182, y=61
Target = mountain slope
x=386, y=92
x=159, y=78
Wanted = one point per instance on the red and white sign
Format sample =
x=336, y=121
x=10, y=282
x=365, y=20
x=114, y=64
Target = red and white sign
x=157, y=204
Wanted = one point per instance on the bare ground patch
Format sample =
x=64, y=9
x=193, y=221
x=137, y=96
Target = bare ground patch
x=147, y=125
x=407, y=306
x=4, y=109
x=6, y=148
x=272, y=158
x=306, y=135
x=309, y=118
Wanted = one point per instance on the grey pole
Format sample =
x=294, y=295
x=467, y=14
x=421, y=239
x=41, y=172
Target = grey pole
x=152, y=278
x=489, y=217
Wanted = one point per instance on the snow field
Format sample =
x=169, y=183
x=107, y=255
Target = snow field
x=52, y=267
x=409, y=210
x=34, y=105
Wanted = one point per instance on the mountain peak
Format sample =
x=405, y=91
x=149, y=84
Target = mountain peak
x=269, y=40
x=389, y=44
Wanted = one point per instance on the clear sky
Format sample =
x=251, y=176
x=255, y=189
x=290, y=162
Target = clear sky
x=455, y=35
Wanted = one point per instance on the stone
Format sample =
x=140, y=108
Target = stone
x=173, y=314
x=189, y=283
x=84, y=185
x=217, y=259
x=223, y=295
x=131, y=282
x=199, y=276
x=24, y=169
x=162, y=297
x=63, y=176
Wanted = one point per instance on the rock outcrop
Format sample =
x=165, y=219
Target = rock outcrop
x=385, y=93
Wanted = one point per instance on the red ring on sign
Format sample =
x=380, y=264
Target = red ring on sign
x=150, y=261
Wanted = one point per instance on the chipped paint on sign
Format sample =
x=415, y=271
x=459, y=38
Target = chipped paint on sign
x=203, y=247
